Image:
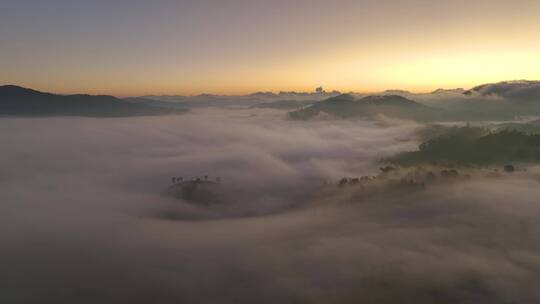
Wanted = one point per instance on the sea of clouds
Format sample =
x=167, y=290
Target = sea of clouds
x=84, y=217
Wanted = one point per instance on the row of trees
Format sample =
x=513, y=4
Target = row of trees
x=180, y=179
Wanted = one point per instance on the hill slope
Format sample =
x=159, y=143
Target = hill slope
x=346, y=106
x=18, y=101
x=521, y=90
x=462, y=149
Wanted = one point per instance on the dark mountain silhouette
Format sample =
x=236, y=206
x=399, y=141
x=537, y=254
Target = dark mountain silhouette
x=283, y=104
x=520, y=90
x=395, y=92
x=158, y=103
x=264, y=95
x=283, y=100
x=346, y=106
x=19, y=101
x=199, y=101
x=504, y=100
x=447, y=91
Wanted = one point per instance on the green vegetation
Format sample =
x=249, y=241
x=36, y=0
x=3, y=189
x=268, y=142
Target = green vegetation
x=434, y=131
x=532, y=127
x=461, y=149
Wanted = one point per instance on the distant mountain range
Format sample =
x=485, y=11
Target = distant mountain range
x=497, y=101
x=494, y=101
x=18, y=101
x=281, y=100
x=283, y=104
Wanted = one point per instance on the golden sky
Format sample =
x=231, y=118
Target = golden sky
x=135, y=47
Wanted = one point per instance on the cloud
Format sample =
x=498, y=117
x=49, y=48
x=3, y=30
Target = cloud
x=82, y=222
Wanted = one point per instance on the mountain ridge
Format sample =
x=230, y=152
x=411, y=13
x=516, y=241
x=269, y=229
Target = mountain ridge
x=20, y=101
x=346, y=106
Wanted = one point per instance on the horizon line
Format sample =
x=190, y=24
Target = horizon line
x=203, y=93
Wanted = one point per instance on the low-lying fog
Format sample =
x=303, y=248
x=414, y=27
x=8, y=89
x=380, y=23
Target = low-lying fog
x=84, y=218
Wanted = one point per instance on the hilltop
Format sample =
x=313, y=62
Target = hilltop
x=347, y=106
x=517, y=89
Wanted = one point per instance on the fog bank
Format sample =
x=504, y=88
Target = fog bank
x=82, y=216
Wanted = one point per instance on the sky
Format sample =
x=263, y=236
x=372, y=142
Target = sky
x=129, y=48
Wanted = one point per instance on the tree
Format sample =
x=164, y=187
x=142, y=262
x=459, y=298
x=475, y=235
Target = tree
x=509, y=168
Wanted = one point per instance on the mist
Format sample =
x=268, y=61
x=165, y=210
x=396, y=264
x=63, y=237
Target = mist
x=85, y=218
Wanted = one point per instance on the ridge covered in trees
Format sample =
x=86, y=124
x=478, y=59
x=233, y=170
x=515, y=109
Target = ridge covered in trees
x=460, y=148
